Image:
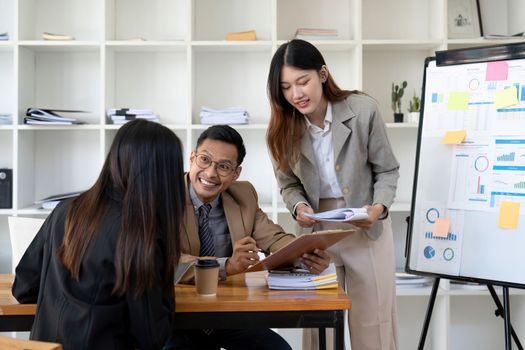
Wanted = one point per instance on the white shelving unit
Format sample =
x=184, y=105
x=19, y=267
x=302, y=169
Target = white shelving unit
x=170, y=55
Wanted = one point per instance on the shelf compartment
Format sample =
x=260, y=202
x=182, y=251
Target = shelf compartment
x=240, y=81
x=60, y=80
x=81, y=19
x=181, y=134
x=7, y=15
x=212, y=19
x=405, y=152
x=146, y=19
x=51, y=162
x=7, y=85
x=382, y=68
x=328, y=14
x=6, y=149
x=403, y=19
x=149, y=80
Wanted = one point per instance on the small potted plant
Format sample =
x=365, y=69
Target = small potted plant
x=397, y=93
x=413, y=109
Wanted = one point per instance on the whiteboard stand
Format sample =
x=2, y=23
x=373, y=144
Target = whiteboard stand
x=501, y=310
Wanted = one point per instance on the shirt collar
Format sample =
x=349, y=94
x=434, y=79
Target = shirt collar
x=197, y=203
x=327, y=121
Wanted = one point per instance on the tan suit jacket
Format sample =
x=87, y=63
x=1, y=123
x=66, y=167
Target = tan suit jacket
x=244, y=218
x=366, y=168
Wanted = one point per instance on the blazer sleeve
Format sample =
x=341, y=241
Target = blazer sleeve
x=291, y=188
x=385, y=167
x=151, y=314
x=29, y=270
x=267, y=234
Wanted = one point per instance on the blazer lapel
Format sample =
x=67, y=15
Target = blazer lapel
x=340, y=131
x=190, y=228
x=233, y=214
x=307, y=148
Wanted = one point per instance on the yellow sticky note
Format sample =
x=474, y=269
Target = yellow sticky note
x=505, y=98
x=458, y=100
x=508, y=214
x=454, y=137
x=441, y=227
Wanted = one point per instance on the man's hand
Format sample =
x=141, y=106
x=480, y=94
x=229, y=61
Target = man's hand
x=244, y=255
x=317, y=261
x=302, y=220
x=374, y=212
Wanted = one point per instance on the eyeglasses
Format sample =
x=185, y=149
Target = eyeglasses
x=204, y=161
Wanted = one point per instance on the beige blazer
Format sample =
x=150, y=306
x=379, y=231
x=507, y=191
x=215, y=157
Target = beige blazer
x=366, y=168
x=244, y=218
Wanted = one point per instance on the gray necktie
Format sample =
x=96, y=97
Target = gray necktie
x=205, y=236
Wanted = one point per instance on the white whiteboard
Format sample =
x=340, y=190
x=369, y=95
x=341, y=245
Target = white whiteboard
x=466, y=183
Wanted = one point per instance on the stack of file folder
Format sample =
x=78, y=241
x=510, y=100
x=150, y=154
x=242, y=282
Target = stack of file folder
x=407, y=280
x=4, y=36
x=293, y=280
x=121, y=116
x=316, y=34
x=44, y=116
x=52, y=201
x=229, y=115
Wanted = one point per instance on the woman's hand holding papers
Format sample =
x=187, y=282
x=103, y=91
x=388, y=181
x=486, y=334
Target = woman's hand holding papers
x=302, y=220
x=374, y=212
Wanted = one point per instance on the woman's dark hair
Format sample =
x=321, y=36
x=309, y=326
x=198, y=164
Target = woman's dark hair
x=283, y=121
x=143, y=169
x=224, y=133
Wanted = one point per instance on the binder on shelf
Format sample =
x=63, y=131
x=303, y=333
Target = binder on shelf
x=6, y=188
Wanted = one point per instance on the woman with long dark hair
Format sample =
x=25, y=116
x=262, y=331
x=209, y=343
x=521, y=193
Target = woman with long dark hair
x=101, y=268
x=330, y=150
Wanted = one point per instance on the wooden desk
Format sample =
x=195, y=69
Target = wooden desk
x=243, y=301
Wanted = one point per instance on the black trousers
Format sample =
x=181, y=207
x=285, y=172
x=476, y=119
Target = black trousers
x=234, y=339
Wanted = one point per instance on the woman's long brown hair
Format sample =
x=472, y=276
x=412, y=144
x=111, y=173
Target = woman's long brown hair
x=144, y=171
x=286, y=127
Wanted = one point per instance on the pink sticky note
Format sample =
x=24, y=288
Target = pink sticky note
x=497, y=71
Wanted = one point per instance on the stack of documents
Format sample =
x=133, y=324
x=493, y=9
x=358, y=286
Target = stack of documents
x=4, y=36
x=42, y=116
x=230, y=115
x=316, y=34
x=54, y=36
x=52, y=201
x=341, y=214
x=301, y=280
x=5, y=118
x=404, y=280
x=121, y=116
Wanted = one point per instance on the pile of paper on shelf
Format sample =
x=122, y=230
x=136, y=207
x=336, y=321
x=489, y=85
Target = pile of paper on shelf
x=45, y=116
x=302, y=280
x=316, y=34
x=229, y=115
x=123, y=115
x=404, y=279
x=5, y=118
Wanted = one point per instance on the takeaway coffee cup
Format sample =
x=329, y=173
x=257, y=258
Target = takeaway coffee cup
x=206, y=276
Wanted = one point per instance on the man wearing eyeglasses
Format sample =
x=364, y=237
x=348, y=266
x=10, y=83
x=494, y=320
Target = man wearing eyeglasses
x=237, y=225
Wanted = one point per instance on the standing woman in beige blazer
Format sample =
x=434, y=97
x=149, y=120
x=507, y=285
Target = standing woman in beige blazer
x=330, y=150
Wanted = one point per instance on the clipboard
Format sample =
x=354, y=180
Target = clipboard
x=306, y=243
